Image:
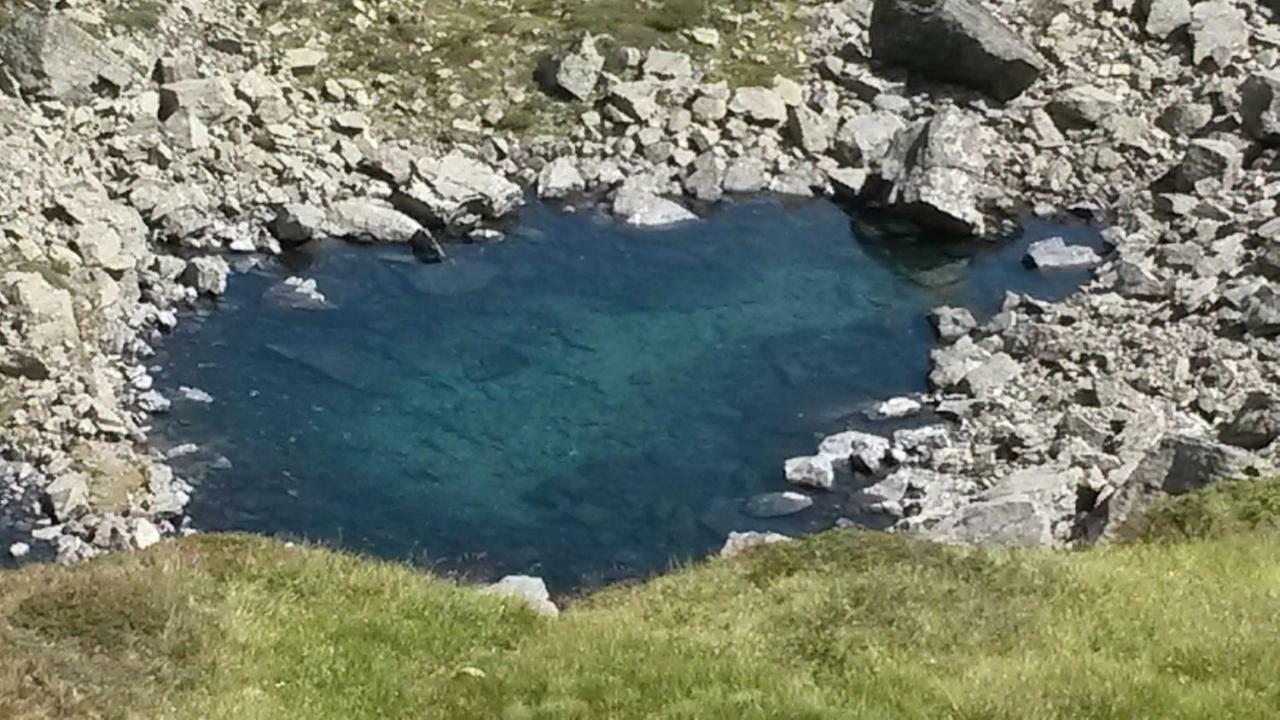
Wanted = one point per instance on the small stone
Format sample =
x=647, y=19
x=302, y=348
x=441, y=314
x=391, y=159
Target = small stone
x=19, y=550
x=532, y=591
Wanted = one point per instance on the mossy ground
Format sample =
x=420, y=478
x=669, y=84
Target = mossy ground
x=842, y=625
x=480, y=50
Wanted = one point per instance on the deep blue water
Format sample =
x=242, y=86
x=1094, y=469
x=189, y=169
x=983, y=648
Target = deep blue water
x=583, y=401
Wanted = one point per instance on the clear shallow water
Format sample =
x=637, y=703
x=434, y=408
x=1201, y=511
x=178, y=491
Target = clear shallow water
x=583, y=401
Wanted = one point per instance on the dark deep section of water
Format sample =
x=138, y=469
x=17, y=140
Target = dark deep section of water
x=583, y=401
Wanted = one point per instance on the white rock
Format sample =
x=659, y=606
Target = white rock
x=815, y=471
x=530, y=590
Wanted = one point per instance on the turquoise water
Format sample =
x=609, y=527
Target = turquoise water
x=583, y=401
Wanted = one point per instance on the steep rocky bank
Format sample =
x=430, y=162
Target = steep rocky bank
x=138, y=163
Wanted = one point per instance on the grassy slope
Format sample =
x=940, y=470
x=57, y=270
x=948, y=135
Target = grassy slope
x=842, y=625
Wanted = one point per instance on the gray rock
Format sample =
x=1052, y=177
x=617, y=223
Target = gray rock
x=50, y=56
x=578, y=73
x=1256, y=425
x=759, y=105
x=208, y=275
x=942, y=172
x=560, y=178
x=953, y=362
x=1262, y=312
x=640, y=207
x=303, y=61
x=1208, y=160
x=746, y=175
x=67, y=496
x=951, y=323
x=19, y=550
x=636, y=101
x=813, y=471
x=809, y=130
x=895, y=408
x=848, y=183
x=706, y=181
x=448, y=190
x=209, y=99
x=988, y=378
x=778, y=504
x=532, y=591
x=45, y=313
x=668, y=65
x=1082, y=106
x=1219, y=32
x=368, y=220
x=956, y=41
x=740, y=542
x=1185, y=118
x=297, y=223
x=1178, y=465
x=1054, y=254
x=1260, y=107
x=858, y=451
x=1019, y=511
x=866, y=139
x=1162, y=18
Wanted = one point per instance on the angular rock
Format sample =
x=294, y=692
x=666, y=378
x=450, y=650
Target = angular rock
x=1208, y=160
x=1256, y=425
x=66, y=496
x=578, y=73
x=1178, y=465
x=1184, y=119
x=303, y=61
x=953, y=362
x=1019, y=511
x=636, y=101
x=668, y=65
x=532, y=591
x=45, y=313
x=809, y=130
x=814, y=471
x=1260, y=107
x=866, y=139
x=1162, y=18
x=639, y=207
x=1055, y=254
x=746, y=175
x=779, y=504
x=208, y=275
x=209, y=99
x=942, y=172
x=297, y=223
x=1219, y=32
x=858, y=451
x=449, y=189
x=50, y=56
x=560, y=178
x=951, y=323
x=759, y=105
x=988, y=378
x=956, y=41
x=739, y=542
x=367, y=220
x=1082, y=106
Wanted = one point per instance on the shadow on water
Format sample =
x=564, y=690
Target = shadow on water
x=584, y=401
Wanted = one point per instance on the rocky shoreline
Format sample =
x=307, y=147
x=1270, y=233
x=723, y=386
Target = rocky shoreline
x=134, y=166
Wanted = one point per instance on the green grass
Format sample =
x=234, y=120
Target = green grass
x=842, y=625
x=478, y=48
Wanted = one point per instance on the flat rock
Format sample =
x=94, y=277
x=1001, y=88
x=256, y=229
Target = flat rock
x=814, y=471
x=778, y=504
x=1055, y=254
x=759, y=105
x=368, y=220
x=641, y=208
x=956, y=41
x=740, y=542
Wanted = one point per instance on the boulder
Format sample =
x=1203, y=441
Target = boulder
x=635, y=101
x=368, y=220
x=1178, y=465
x=956, y=41
x=706, y=181
x=1054, y=254
x=668, y=65
x=1018, y=511
x=560, y=178
x=297, y=223
x=1082, y=106
x=1256, y=425
x=578, y=72
x=759, y=105
x=774, y=505
x=814, y=471
x=1205, y=159
x=1262, y=312
x=1260, y=107
x=940, y=172
x=739, y=542
x=531, y=591
x=1219, y=32
x=209, y=99
x=951, y=323
x=746, y=175
x=50, y=56
x=640, y=207
x=857, y=451
x=988, y=378
x=1162, y=18
x=953, y=362
x=303, y=61
x=447, y=190
x=45, y=315
x=809, y=130
x=109, y=234
x=67, y=496
x=1185, y=118
x=866, y=139
x=208, y=275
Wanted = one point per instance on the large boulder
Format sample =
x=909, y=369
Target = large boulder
x=45, y=316
x=109, y=234
x=208, y=99
x=447, y=190
x=1219, y=32
x=1019, y=511
x=641, y=207
x=49, y=56
x=578, y=72
x=560, y=179
x=759, y=105
x=1178, y=465
x=1260, y=107
x=368, y=220
x=956, y=41
x=1256, y=425
x=939, y=172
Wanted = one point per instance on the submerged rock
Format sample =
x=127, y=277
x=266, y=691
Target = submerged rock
x=956, y=41
x=778, y=504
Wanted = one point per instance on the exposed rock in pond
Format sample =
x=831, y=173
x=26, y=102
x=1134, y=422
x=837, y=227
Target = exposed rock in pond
x=939, y=171
x=739, y=542
x=956, y=41
x=297, y=223
x=640, y=207
x=858, y=451
x=208, y=275
x=560, y=179
x=895, y=408
x=814, y=471
x=366, y=220
x=952, y=323
x=1054, y=253
x=532, y=591
x=778, y=504
x=448, y=190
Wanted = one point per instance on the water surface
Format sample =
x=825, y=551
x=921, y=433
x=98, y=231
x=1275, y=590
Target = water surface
x=583, y=401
